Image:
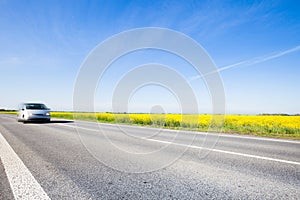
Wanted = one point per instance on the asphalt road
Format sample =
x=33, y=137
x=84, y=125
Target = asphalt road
x=86, y=160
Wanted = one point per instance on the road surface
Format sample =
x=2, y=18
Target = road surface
x=85, y=160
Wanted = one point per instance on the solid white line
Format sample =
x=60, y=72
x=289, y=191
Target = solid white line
x=22, y=182
x=208, y=149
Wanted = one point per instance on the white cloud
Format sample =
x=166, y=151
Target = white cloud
x=252, y=61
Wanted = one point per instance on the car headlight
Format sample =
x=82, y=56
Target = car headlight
x=47, y=113
x=30, y=114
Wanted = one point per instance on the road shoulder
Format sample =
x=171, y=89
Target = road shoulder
x=6, y=192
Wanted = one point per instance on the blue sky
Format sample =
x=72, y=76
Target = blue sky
x=44, y=43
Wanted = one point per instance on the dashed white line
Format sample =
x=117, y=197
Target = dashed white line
x=22, y=182
x=208, y=149
x=229, y=152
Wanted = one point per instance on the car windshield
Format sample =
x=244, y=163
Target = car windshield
x=36, y=106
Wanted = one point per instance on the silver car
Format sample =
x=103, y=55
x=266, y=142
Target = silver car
x=33, y=112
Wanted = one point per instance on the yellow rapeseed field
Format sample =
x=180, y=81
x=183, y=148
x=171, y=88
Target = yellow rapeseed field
x=272, y=126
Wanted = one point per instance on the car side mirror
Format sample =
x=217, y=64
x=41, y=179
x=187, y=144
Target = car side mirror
x=22, y=109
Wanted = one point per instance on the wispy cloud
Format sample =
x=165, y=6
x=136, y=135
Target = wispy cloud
x=252, y=61
x=212, y=19
x=13, y=60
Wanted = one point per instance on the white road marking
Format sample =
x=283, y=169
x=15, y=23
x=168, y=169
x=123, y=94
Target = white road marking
x=22, y=182
x=229, y=152
x=200, y=133
x=208, y=149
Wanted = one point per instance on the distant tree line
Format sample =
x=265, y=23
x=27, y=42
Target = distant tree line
x=279, y=114
x=1, y=110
